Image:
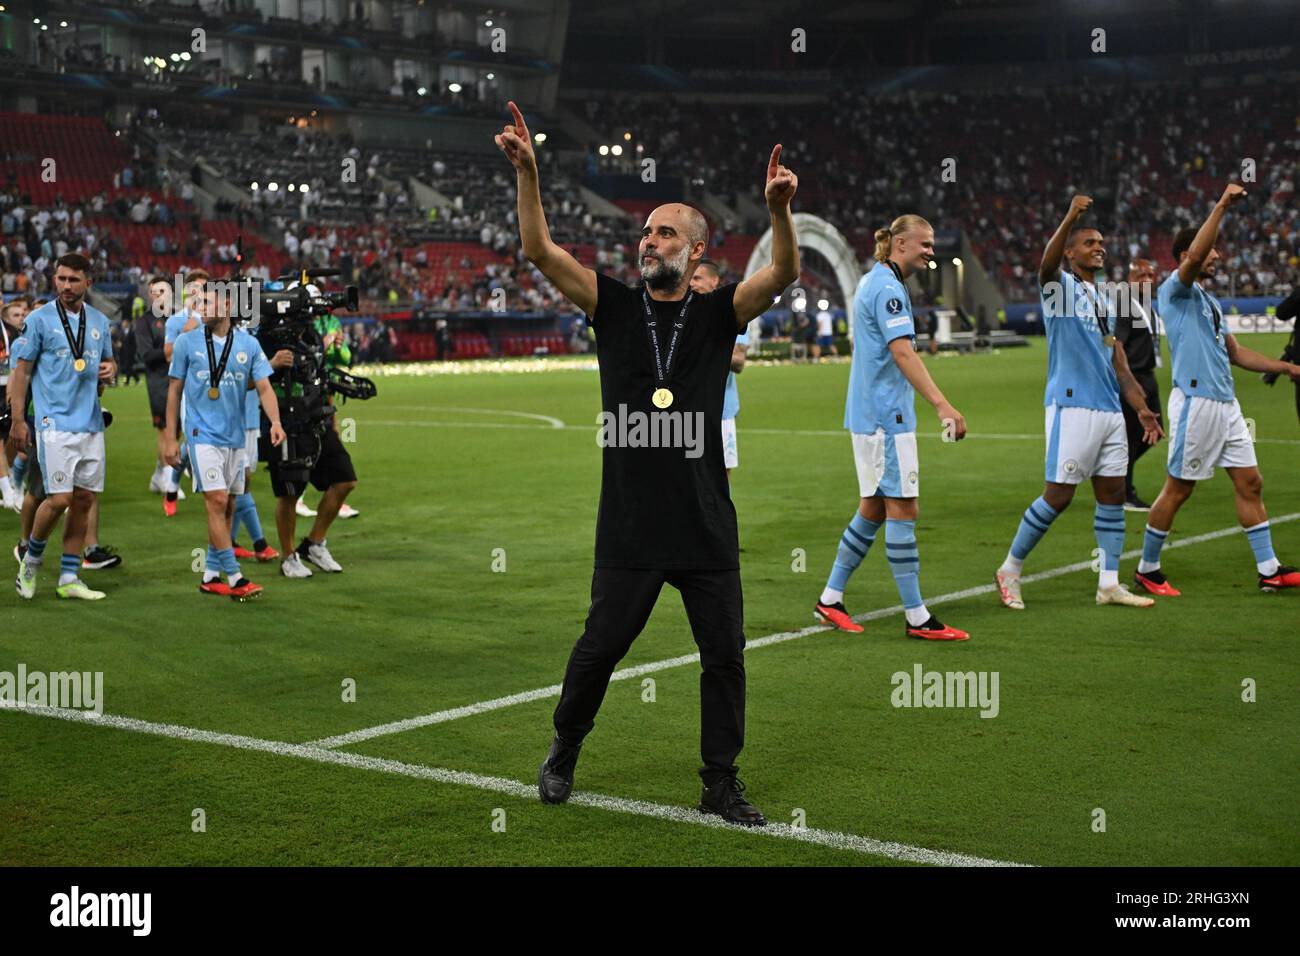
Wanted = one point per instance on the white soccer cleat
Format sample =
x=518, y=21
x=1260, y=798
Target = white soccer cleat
x=77, y=589
x=320, y=556
x=1009, y=590
x=156, y=483
x=347, y=511
x=303, y=510
x=292, y=567
x=1121, y=595
x=26, y=581
x=14, y=501
x=180, y=494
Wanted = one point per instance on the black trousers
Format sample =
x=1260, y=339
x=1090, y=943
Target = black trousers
x=621, y=602
x=1136, y=446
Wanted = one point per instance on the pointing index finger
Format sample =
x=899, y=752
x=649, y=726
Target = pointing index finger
x=519, y=117
x=774, y=161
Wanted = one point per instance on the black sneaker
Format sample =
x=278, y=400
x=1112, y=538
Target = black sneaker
x=100, y=556
x=555, y=779
x=1134, y=503
x=726, y=799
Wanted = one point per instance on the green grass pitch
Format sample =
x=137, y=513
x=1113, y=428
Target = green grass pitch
x=1138, y=713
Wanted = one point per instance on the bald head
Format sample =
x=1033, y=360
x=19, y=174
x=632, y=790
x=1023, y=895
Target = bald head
x=1141, y=271
x=674, y=238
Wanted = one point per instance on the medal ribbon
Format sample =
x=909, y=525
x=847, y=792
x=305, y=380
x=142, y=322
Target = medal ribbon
x=664, y=367
x=78, y=343
x=215, y=369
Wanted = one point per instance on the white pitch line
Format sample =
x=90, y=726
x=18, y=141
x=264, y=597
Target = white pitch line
x=513, y=788
x=552, y=422
x=627, y=673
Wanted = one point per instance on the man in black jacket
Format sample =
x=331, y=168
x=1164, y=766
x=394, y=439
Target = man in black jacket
x=1137, y=328
x=148, y=334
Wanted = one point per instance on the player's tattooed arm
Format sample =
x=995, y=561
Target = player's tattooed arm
x=1189, y=266
x=575, y=281
x=1132, y=391
x=1252, y=361
x=1049, y=269
x=754, y=296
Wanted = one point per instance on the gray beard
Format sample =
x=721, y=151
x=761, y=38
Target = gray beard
x=668, y=275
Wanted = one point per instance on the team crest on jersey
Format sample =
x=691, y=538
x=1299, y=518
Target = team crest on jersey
x=911, y=477
x=1071, y=466
x=94, y=334
x=212, y=475
x=1194, y=464
x=894, y=306
x=241, y=357
x=60, y=477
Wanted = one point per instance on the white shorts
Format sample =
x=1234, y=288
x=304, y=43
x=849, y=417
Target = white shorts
x=1084, y=443
x=217, y=469
x=250, y=447
x=70, y=460
x=729, y=457
x=887, y=464
x=1205, y=434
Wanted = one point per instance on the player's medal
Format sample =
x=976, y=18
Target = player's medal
x=76, y=343
x=1108, y=339
x=662, y=395
x=217, y=369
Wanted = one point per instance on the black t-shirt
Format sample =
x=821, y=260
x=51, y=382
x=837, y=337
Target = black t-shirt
x=664, y=507
x=1139, y=343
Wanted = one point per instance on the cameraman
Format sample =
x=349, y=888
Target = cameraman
x=1287, y=311
x=332, y=471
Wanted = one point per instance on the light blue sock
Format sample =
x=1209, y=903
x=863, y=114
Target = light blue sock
x=69, y=565
x=1038, y=517
x=246, y=513
x=1108, y=526
x=1152, y=543
x=226, y=556
x=212, y=565
x=855, y=542
x=19, y=472
x=35, y=551
x=1261, y=542
x=905, y=562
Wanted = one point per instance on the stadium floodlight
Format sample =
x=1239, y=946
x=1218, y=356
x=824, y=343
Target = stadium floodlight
x=491, y=76
x=627, y=136
x=823, y=304
x=175, y=57
x=273, y=186
x=63, y=23
x=304, y=188
x=254, y=186
x=293, y=187
x=185, y=55
x=159, y=62
x=956, y=261
x=933, y=265
x=422, y=90
x=616, y=149
x=487, y=23
x=604, y=151
x=36, y=20
x=453, y=87
x=539, y=137
x=45, y=26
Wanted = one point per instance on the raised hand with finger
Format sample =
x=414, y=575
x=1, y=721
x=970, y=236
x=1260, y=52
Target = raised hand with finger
x=515, y=141
x=781, y=182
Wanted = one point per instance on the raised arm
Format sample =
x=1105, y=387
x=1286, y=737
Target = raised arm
x=1049, y=269
x=1190, y=268
x=754, y=296
x=1252, y=361
x=575, y=281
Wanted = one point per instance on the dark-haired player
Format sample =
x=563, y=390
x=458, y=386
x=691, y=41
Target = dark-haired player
x=1206, y=428
x=1086, y=375
x=705, y=279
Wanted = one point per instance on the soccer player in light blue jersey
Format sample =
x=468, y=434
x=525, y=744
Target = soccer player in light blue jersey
x=245, y=506
x=880, y=414
x=187, y=319
x=1206, y=427
x=1086, y=375
x=214, y=366
x=705, y=279
x=65, y=351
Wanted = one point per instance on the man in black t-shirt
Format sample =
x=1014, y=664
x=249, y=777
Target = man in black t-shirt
x=1138, y=330
x=665, y=514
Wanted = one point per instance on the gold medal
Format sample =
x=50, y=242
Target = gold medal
x=1109, y=340
x=79, y=365
x=214, y=393
x=662, y=398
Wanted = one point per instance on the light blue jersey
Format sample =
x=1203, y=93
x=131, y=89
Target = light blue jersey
x=1079, y=369
x=1201, y=365
x=879, y=395
x=218, y=422
x=731, y=398
x=172, y=330
x=65, y=400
